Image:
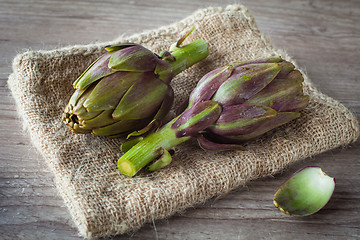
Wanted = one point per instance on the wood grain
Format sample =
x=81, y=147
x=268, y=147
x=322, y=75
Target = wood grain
x=324, y=38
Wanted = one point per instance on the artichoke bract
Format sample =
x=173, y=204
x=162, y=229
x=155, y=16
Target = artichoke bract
x=305, y=193
x=229, y=105
x=128, y=88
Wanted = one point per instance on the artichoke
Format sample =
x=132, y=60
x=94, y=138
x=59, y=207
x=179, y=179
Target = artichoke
x=228, y=106
x=255, y=97
x=128, y=88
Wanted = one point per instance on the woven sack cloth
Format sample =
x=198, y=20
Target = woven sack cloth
x=103, y=202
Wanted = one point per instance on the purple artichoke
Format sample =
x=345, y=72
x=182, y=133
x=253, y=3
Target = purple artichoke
x=255, y=96
x=229, y=105
x=127, y=89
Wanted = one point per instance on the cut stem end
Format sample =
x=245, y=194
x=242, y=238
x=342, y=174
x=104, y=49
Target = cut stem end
x=126, y=168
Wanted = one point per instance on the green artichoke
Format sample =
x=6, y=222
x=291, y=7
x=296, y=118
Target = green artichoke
x=128, y=88
x=228, y=106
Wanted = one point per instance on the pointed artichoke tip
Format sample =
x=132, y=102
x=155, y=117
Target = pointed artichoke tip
x=229, y=70
x=76, y=83
x=107, y=48
x=277, y=66
x=115, y=47
x=182, y=38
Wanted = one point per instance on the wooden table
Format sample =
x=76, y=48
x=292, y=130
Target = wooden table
x=324, y=38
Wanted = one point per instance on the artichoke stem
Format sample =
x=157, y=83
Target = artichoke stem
x=188, y=55
x=146, y=150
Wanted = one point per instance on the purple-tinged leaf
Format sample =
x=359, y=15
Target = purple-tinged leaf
x=286, y=68
x=166, y=104
x=153, y=124
x=95, y=71
x=115, y=86
x=134, y=58
x=142, y=99
x=81, y=112
x=209, y=84
x=296, y=74
x=164, y=160
x=261, y=60
x=182, y=39
x=285, y=95
x=245, y=82
x=209, y=145
x=103, y=119
x=197, y=118
x=116, y=47
x=242, y=119
x=280, y=119
x=120, y=128
x=164, y=71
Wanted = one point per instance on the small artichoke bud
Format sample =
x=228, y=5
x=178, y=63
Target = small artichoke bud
x=305, y=193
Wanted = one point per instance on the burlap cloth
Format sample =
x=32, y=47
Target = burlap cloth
x=103, y=202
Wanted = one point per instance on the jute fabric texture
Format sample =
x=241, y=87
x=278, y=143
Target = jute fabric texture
x=103, y=202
